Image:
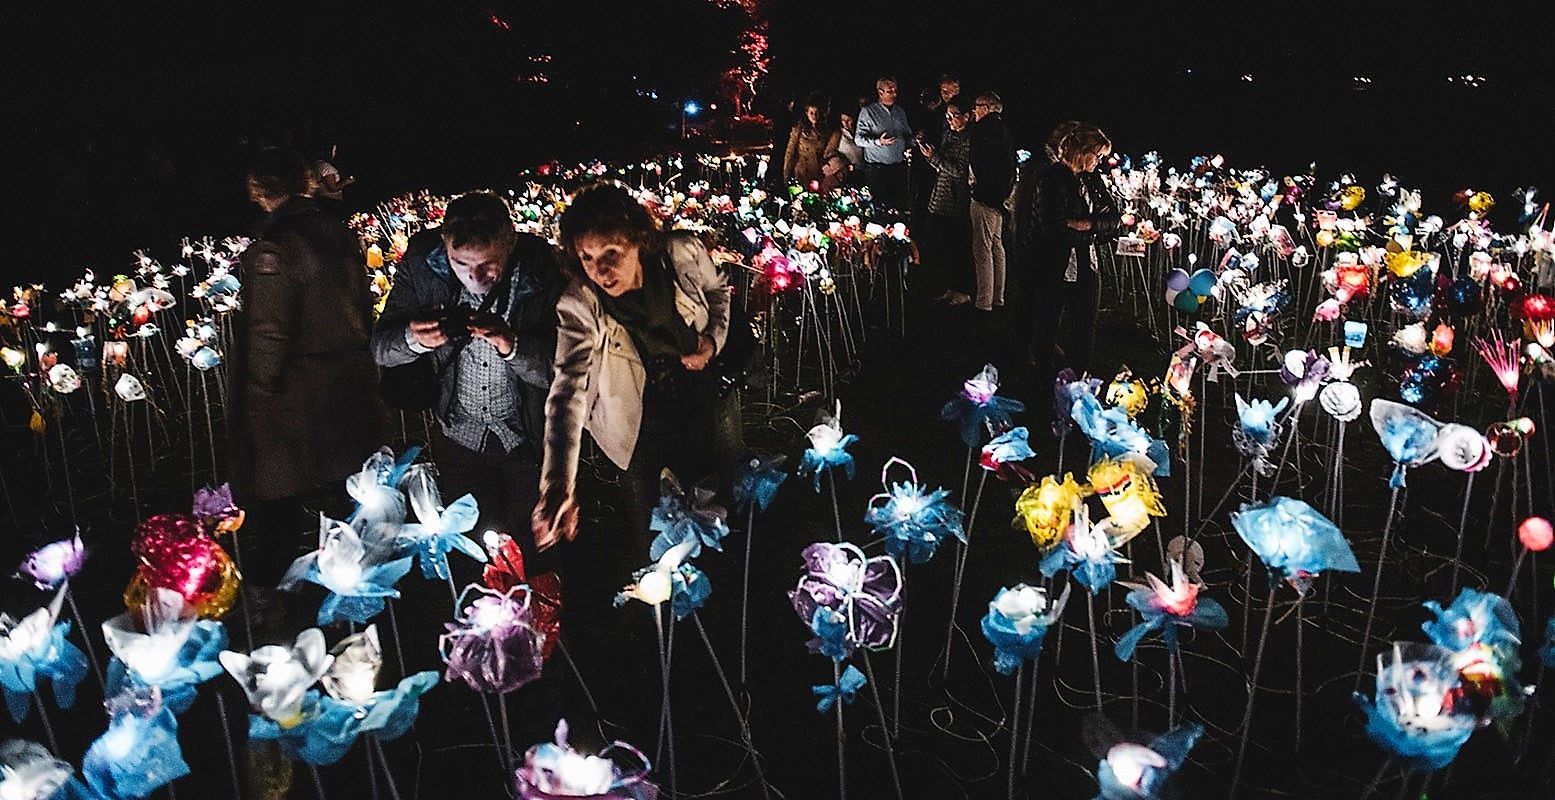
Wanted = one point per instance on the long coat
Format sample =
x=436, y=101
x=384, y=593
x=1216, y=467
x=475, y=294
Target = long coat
x=305, y=406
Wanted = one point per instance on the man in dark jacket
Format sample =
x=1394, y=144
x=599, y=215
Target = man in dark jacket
x=993, y=174
x=477, y=301
x=305, y=408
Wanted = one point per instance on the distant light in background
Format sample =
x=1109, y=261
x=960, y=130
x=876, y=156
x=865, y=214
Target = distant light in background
x=691, y=108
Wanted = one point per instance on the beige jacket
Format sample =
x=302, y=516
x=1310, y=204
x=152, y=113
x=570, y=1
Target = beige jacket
x=598, y=384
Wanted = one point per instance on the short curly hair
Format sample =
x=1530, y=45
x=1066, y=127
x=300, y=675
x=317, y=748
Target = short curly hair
x=608, y=209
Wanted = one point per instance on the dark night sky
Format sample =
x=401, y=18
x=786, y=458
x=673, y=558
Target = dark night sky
x=132, y=118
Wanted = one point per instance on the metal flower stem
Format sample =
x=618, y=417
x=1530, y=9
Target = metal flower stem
x=388, y=774
x=507, y=732
x=955, y=592
x=1020, y=675
x=372, y=769
x=1031, y=713
x=1171, y=690
x=831, y=480
x=667, y=728
x=91, y=652
x=1252, y=690
x=394, y=627
x=318, y=781
x=842, y=768
x=43, y=717
x=1376, y=587
x=745, y=730
x=1517, y=566
x=901, y=639
x=1301, y=604
x=1463, y=520
x=745, y=585
x=1090, y=615
x=232, y=755
x=890, y=751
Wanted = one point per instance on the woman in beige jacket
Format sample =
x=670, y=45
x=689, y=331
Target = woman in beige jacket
x=808, y=145
x=644, y=314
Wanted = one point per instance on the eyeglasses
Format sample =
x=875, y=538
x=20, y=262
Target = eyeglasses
x=979, y=105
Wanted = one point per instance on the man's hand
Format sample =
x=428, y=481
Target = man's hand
x=428, y=333
x=696, y=362
x=926, y=148
x=494, y=330
x=887, y=140
x=555, y=518
x=1078, y=224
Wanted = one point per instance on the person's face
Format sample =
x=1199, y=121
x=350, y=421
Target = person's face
x=813, y=114
x=257, y=196
x=1085, y=162
x=954, y=118
x=480, y=267
x=949, y=89
x=980, y=109
x=847, y=122
x=611, y=262
x=887, y=92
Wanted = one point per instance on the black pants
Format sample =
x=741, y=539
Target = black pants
x=506, y=485
x=275, y=532
x=889, y=186
x=704, y=439
x=950, y=256
x=1057, y=306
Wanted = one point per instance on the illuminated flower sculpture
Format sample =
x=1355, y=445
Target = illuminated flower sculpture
x=554, y=771
x=1292, y=538
x=1135, y=771
x=162, y=647
x=682, y=518
x=912, y=519
x=1483, y=633
x=358, y=573
x=54, y=563
x=979, y=409
x=1408, y=434
x=1065, y=389
x=176, y=553
x=1547, y=649
x=28, y=771
x=828, y=448
x=1164, y=608
x=1129, y=494
x=492, y=645
x=1004, y=453
x=688, y=588
x=139, y=753
x=376, y=487
x=1113, y=434
x=35, y=647
x=505, y=570
x=1257, y=430
x=758, y=480
x=438, y=530
x=1045, y=510
x=216, y=510
x=853, y=600
x=1087, y=552
x=1017, y=621
x=848, y=684
x=1415, y=716
x=319, y=728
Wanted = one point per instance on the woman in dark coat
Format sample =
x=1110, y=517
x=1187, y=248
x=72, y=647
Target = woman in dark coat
x=1067, y=218
x=305, y=409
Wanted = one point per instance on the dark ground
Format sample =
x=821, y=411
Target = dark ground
x=951, y=743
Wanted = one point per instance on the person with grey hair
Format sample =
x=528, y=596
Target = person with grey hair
x=884, y=133
x=993, y=174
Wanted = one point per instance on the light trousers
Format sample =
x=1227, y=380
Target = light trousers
x=988, y=255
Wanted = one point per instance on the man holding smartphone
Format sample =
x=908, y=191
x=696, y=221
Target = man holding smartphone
x=478, y=300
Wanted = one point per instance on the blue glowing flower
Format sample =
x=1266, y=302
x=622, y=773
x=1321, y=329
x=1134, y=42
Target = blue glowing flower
x=686, y=518
x=1113, y=434
x=1413, y=716
x=35, y=647
x=1087, y=552
x=359, y=573
x=1292, y=538
x=1132, y=771
x=439, y=531
x=979, y=409
x=138, y=754
x=1165, y=608
x=1408, y=434
x=828, y=448
x=165, y=649
x=844, y=689
x=913, y=520
x=758, y=480
x=1016, y=624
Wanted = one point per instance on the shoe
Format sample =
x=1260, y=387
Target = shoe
x=944, y=296
x=958, y=299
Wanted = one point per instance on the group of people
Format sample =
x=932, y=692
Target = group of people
x=975, y=206
x=515, y=346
